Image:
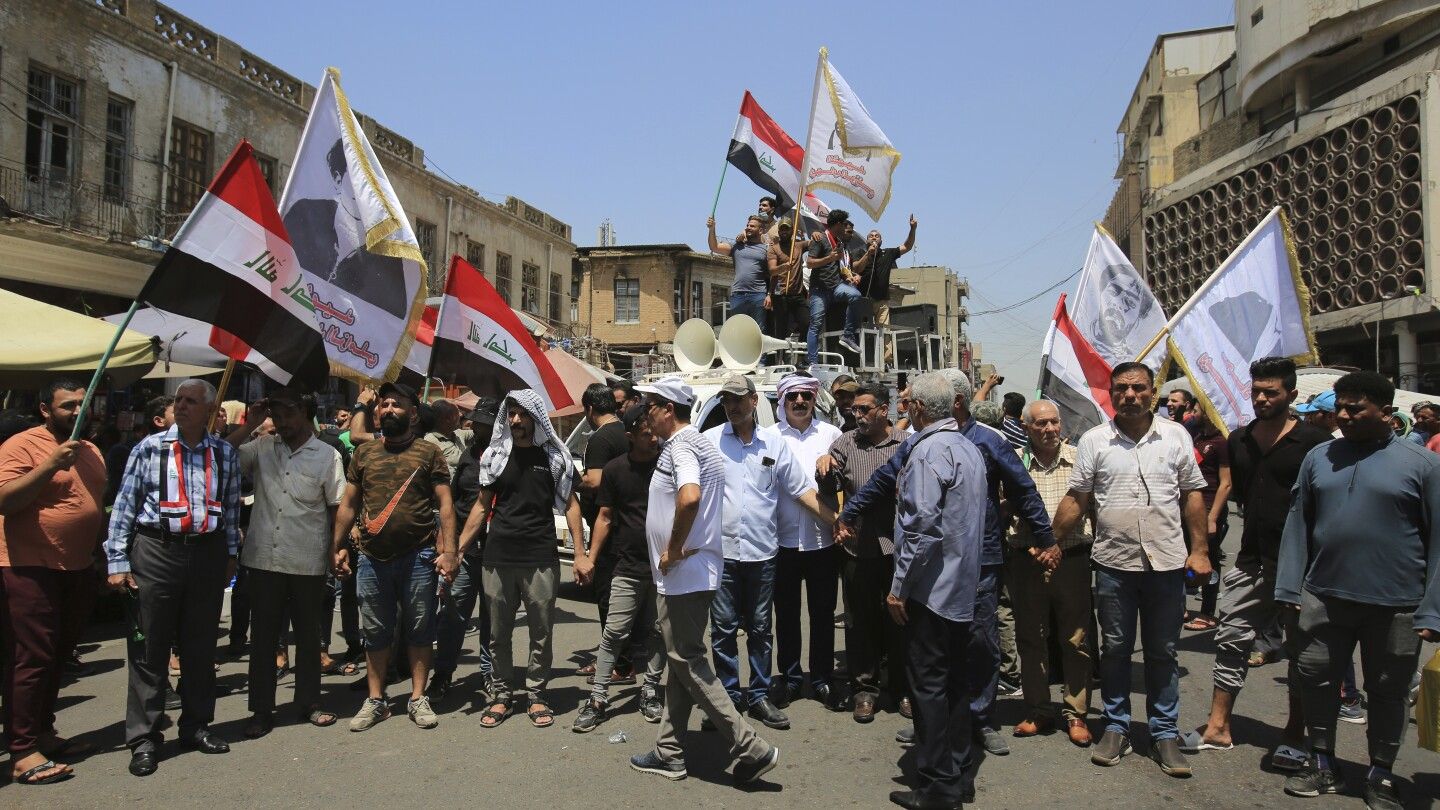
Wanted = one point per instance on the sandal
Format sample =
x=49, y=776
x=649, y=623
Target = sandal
x=29, y=777
x=259, y=726
x=1200, y=623
x=319, y=717
x=544, y=713
x=339, y=666
x=490, y=718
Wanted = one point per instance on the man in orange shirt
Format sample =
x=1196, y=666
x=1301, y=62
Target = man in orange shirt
x=50, y=524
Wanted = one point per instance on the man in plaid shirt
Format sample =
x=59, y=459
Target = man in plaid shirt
x=174, y=536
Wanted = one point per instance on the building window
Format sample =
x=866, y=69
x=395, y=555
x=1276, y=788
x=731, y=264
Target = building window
x=627, y=300
x=697, y=299
x=425, y=237
x=190, y=149
x=719, y=303
x=530, y=288
x=270, y=170
x=51, y=112
x=475, y=254
x=502, y=276
x=556, y=297
x=679, y=300
x=118, y=115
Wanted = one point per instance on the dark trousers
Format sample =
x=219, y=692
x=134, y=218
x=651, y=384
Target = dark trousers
x=789, y=315
x=939, y=686
x=984, y=656
x=240, y=607
x=274, y=597
x=819, y=571
x=456, y=606
x=745, y=599
x=44, y=613
x=871, y=636
x=344, y=589
x=180, y=590
x=1328, y=632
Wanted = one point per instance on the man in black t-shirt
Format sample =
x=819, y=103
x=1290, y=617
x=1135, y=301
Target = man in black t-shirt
x=606, y=442
x=874, y=267
x=832, y=283
x=619, y=541
x=525, y=477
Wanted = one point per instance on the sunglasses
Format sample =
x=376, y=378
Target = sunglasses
x=805, y=396
x=863, y=409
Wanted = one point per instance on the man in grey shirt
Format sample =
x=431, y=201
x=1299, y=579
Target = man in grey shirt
x=1358, y=559
x=453, y=440
x=939, y=529
x=749, y=293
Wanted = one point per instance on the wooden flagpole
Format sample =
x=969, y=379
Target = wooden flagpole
x=805, y=164
x=220, y=393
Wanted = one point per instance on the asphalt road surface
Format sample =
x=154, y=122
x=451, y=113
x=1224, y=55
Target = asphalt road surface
x=827, y=760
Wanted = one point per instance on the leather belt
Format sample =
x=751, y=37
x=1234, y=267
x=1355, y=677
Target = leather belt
x=182, y=539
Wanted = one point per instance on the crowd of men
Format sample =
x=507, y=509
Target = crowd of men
x=940, y=531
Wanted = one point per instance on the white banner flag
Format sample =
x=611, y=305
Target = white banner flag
x=1254, y=306
x=360, y=257
x=1114, y=308
x=846, y=150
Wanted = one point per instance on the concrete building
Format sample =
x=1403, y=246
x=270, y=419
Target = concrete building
x=1163, y=112
x=122, y=111
x=940, y=287
x=1328, y=110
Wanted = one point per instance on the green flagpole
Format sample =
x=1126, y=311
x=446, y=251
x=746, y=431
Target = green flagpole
x=715, y=206
x=100, y=371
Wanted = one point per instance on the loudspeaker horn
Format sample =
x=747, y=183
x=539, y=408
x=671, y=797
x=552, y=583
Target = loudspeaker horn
x=694, y=345
x=742, y=344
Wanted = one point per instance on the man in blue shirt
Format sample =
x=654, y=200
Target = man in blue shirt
x=174, y=536
x=760, y=470
x=934, y=593
x=1002, y=466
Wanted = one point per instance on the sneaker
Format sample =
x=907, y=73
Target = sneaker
x=992, y=741
x=1311, y=781
x=746, y=772
x=1353, y=711
x=1381, y=793
x=421, y=714
x=372, y=711
x=849, y=344
x=1112, y=746
x=439, y=686
x=650, y=706
x=592, y=714
x=906, y=737
x=1008, y=688
x=650, y=762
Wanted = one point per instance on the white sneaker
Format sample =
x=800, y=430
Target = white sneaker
x=372, y=711
x=421, y=714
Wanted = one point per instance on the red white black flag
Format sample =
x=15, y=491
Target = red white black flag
x=768, y=156
x=481, y=343
x=1074, y=376
x=231, y=266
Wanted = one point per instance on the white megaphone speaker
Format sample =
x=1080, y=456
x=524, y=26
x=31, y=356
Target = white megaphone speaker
x=694, y=345
x=742, y=344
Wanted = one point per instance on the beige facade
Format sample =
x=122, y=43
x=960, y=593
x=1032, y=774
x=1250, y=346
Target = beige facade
x=947, y=291
x=126, y=110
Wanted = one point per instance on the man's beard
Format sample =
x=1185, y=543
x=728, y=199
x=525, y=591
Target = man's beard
x=393, y=427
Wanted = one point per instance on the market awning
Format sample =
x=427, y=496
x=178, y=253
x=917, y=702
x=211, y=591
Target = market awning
x=39, y=341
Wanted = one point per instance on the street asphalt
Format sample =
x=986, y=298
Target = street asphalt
x=827, y=760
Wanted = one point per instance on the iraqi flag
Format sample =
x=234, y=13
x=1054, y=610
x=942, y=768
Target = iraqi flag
x=1075, y=377
x=231, y=266
x=417, y=364
x=768, y=156
x=481, y=343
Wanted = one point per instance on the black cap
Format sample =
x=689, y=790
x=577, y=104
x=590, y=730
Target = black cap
x=399, y=390
x=485, y=411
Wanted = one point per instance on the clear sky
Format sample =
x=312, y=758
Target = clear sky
x=1005, y=113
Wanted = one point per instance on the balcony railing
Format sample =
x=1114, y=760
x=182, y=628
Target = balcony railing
x=84, y=207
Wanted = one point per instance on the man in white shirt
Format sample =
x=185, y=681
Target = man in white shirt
x=298, y=481
x=1140, y=473
x=683, y=527
x=760, y=474
x=807, y=554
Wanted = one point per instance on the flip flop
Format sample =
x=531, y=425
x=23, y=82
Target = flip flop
x=1287, y=758
x=29, y=778
x=1200, y=623
x=1192, y=743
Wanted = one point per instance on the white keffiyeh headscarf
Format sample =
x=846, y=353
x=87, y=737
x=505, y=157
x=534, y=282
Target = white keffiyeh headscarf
x=502, y=444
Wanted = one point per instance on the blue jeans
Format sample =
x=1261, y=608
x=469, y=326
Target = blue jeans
x=454, y=618
x=398, y=592
x=821, y=300
x=982, y=660
x=746, y=596
x=752, y=304
x=1159, y=599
